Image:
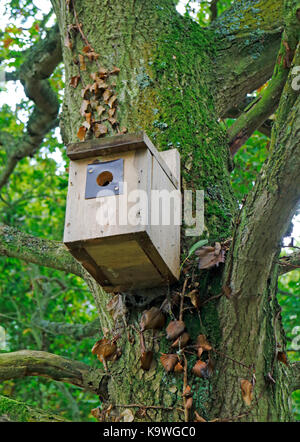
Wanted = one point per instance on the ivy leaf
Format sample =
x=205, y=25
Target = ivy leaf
x=196, y=246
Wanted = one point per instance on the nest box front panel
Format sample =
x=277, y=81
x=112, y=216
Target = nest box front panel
x=101, y=191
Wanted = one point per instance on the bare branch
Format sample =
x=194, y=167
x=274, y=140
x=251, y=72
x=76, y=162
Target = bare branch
x=289, y=263
x=24, y=363
x=40, y=62
x=213, y=9
x=16, y=244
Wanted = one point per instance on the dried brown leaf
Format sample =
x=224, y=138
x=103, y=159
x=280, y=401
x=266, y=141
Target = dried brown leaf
x=203, y=342
x=106, y=95
x=92, y=55
x=146, y=360
x=178, y=368
x=175, y=329
x=169, y=361
x=74, y=81
x=113, y=121
x=127, y=415
x=84, y=107
x=104, y=349
x=247, y=391
x=152, y=319
x=115, y=70
x=281, y=356
x=103, y=72
x=200, y=369
x=112, y=101
x=182, y=340
x=187, y=392
x=100, y=109
x=81, y=62
x=81, y=133
x=210, y=256
x=111, y=112
x=85, y=90
x=194, y=297
x=99, y=130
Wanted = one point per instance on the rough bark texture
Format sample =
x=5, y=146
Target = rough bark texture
x=250, y=319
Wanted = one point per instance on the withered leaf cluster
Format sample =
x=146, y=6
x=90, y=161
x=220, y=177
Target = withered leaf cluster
x=99, y=100
x=210, y=256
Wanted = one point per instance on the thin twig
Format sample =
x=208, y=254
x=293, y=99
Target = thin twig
x=158, y=407
x=182, y=298
x=80, y=29
x=186, y=411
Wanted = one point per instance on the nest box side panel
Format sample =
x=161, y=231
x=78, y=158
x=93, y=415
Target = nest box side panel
x=166, y=238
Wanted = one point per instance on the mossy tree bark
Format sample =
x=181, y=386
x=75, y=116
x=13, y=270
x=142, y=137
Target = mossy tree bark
x=175, y=80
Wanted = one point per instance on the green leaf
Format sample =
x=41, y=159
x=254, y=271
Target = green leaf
x=196, y=246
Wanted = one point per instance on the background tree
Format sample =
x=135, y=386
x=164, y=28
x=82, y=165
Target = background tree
x=204, y=88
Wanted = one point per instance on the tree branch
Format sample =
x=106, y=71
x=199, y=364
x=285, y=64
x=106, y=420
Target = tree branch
x=213, y=9
x=24, y=363
x=289, y=263
x=16, y=244
x=15, y=411
x=77, y=331
x=270, y=207
x=265, y=104
x=40, y=62
x=249, y=34
x=295, y=377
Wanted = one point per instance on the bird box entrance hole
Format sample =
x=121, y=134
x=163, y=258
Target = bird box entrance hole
x=107, y=180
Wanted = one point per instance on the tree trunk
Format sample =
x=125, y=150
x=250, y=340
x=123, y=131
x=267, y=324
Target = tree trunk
x=166, y=87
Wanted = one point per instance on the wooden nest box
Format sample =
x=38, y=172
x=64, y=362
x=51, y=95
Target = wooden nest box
x=109, y=226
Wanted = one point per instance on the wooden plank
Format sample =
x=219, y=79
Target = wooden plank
x=160, y=159
x=105, y=146
x=137, y=265
x=118, y=144
x=82, y=220
x=165, y=237
x=172, y=159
